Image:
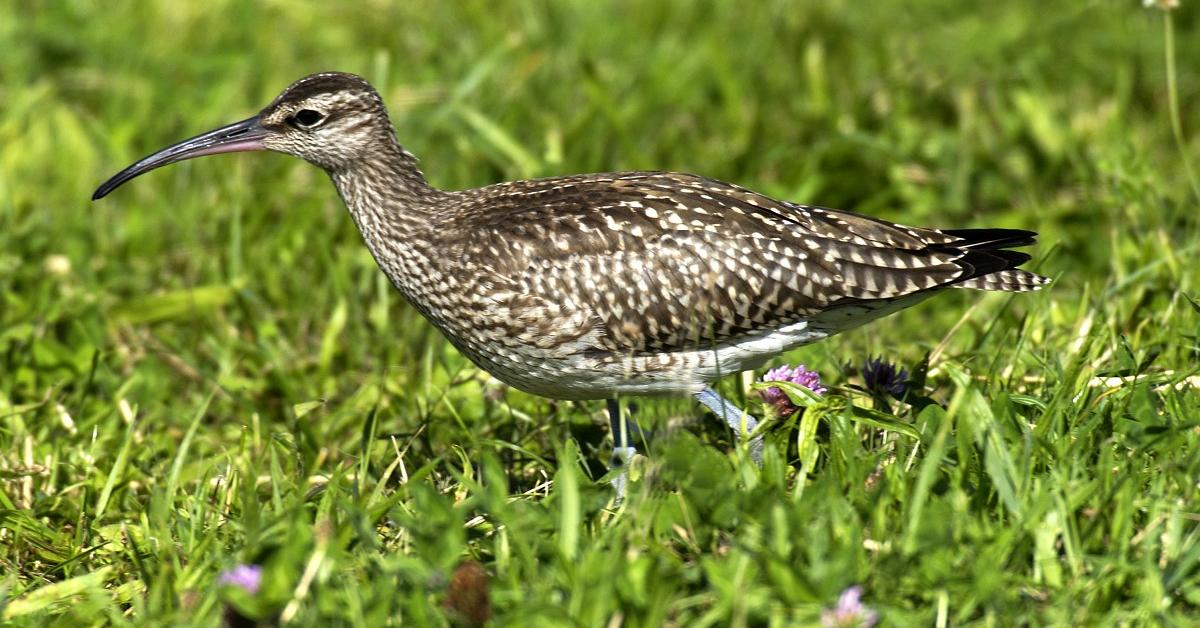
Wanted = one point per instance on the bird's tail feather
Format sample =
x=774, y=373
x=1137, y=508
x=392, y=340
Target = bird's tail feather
x=990, y=239
x=993, y=266
x=1011, y=280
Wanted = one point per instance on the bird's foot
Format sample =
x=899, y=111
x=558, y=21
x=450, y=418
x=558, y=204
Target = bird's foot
x=623, y=449
x=739, y=420
x=620, y=461
x=623, y=430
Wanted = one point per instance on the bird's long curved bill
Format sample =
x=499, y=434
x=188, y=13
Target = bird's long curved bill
x=239, y=136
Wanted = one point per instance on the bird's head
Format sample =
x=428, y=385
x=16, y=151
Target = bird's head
x=331, y=119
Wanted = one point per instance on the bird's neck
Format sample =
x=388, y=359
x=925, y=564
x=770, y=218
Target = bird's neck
x=398, y=214
x=386, y=193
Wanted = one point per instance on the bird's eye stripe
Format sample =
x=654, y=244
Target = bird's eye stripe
x=307, y=117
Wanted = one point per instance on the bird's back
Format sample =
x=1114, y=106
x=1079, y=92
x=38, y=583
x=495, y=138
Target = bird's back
x=641, y=268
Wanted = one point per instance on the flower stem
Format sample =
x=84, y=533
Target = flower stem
x=1173, y=104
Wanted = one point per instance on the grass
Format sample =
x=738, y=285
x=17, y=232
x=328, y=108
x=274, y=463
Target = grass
x=206, y=369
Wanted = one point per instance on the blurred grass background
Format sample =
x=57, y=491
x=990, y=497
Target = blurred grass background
x=206, y=368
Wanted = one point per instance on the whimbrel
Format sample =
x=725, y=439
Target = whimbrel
x=598, y=285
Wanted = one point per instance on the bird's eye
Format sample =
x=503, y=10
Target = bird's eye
x=307, y=118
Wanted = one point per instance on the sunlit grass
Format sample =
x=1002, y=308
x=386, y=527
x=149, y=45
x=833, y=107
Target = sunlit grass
x=206, y=369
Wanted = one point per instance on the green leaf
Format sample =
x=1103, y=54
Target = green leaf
x=175, y=304
x=929, y=470
x=58, y=593
x=117, y=470
x=800, y=396
x=566, y=491
x=185, y=444
x=1192, y=302
x=305, y=407
x=1046, y=556
x=332, y=338
x=492, y=133
x=883, y=421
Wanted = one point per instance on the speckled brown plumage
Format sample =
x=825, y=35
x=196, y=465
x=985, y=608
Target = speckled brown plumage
x=589, y=286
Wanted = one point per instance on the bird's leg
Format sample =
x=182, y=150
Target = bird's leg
x=740, y=421
x=623, y=449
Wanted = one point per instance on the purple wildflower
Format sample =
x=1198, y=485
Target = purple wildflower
x=245, y=577
x=849, y=612
x=882, y=377
x=800, y=375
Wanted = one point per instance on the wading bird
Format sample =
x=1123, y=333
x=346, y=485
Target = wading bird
x=599, y=285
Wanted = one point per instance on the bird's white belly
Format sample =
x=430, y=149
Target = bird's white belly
x=681, y=372
x=675, y=373
x=753, y=352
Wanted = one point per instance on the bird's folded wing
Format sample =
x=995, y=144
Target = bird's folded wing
x=663, y=261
